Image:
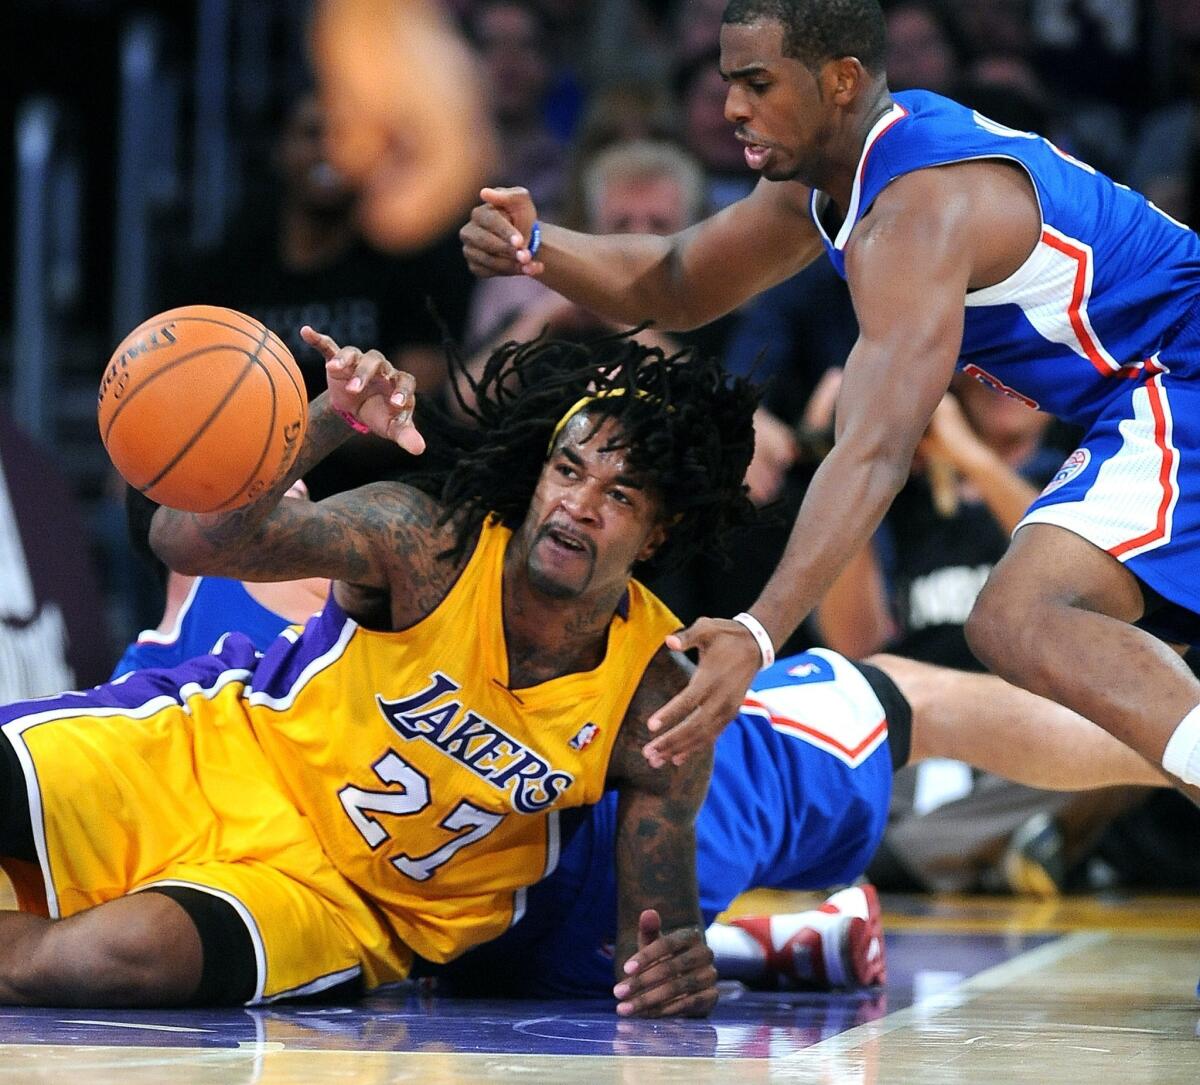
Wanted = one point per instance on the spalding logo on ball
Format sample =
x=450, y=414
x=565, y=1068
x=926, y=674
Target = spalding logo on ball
x=202, y=408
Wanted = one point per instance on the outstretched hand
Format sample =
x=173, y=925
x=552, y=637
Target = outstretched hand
x=496, y=240
x=671, y=975
x=370, y=389
x=729, y=660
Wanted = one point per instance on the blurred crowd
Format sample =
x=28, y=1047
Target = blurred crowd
x=611, y=112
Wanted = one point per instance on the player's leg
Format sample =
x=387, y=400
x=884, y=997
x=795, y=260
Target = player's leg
x=988, y=723
x=141, y=950
x=1055, y=619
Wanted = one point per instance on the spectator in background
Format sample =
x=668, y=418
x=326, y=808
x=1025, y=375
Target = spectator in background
x=618, y=112
x=407, y=116
x=302, y=260
x=923, y=50
x=706, y=132
x=997, y=26
x=512, y=41
x=1166, y=159
x=52, y=623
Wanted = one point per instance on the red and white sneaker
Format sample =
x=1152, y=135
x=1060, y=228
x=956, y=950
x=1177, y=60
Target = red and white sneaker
x=839, y=945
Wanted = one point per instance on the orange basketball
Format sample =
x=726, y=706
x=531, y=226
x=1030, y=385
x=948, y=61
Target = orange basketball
x=202, y=408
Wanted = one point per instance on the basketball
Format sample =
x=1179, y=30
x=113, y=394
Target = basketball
x=202, y=408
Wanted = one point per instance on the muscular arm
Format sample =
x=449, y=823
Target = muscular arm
x=656, y=843
x=909, y=267
x=679, y=281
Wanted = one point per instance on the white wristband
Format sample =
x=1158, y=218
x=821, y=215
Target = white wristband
x=760, y=635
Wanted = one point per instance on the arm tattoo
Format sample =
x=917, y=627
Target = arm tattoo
x=656, y=841
x=382, y=536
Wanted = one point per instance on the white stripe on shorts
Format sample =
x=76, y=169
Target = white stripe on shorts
x=1130, y=507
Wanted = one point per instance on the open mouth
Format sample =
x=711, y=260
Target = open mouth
x=756, y=155
x=565, y=540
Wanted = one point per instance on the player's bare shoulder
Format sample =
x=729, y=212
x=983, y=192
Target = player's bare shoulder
x=411, y=540
x=986, y=209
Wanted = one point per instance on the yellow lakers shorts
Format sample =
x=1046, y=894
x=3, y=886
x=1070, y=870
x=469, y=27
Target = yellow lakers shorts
x=158, y=781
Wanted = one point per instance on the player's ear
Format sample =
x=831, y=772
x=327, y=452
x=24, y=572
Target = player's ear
x=844, y=80
x=654, y=540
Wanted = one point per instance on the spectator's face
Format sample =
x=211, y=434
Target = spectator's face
x=641, y=205
x=697, y=26
x=706, y=129
x=308, y=175
x=918, y=55
x=511, y=45
x=994, y=26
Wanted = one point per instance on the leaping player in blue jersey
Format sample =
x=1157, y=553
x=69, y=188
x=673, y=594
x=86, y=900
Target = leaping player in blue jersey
x=965, y=245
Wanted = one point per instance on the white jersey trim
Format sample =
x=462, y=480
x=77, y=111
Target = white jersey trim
x=842, y=716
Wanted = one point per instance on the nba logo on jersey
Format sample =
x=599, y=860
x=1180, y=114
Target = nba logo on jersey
x=584, y=736
x=1072, y=465
x=811, y=668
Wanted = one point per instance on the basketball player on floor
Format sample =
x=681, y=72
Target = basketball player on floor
x=968, y=244
x=388, y=782
x=798, y=800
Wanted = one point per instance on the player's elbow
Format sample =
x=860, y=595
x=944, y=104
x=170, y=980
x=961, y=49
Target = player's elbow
x=176, y=546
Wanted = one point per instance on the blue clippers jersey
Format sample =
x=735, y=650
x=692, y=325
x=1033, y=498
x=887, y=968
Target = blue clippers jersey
x=1111, y=279
x=213, y=607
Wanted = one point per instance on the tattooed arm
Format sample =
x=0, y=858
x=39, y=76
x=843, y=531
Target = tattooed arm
x=381, y=536
x=663, y=966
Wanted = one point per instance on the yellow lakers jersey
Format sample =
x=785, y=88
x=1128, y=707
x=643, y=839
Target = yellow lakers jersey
x=431, y=785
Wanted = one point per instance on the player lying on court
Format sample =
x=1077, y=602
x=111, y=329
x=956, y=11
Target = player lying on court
x=798, y=800
x=965, y=244
x=383, y=784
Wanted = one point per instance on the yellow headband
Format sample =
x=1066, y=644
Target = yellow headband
x=582, y=402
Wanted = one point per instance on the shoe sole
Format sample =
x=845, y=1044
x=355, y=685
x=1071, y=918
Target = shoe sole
x=864, y=952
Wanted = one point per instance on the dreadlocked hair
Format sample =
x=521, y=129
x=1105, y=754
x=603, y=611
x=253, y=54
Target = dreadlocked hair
x=686, y=427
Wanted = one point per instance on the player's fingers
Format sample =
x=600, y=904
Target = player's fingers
x=671, y=988
x=671, y=944
x=511, y=201
x=404, y=389
x=490, y=235
x=649, y=927
x=372, y=372
x=344, y=364
x=407, y=436
x=690, y=1004
x=322, y=342
x=694, y=732
x=497, y=220
x=679, y=707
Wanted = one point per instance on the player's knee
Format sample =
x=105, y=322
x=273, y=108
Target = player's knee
x=996, y=629
x=147, y=954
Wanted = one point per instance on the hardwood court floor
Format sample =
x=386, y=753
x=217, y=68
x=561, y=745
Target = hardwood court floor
x=980, y=990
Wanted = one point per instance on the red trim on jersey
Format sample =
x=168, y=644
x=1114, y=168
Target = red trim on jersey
x=1155, y=392
x=795, y=725
x=1074, y=311
x=862, y=166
